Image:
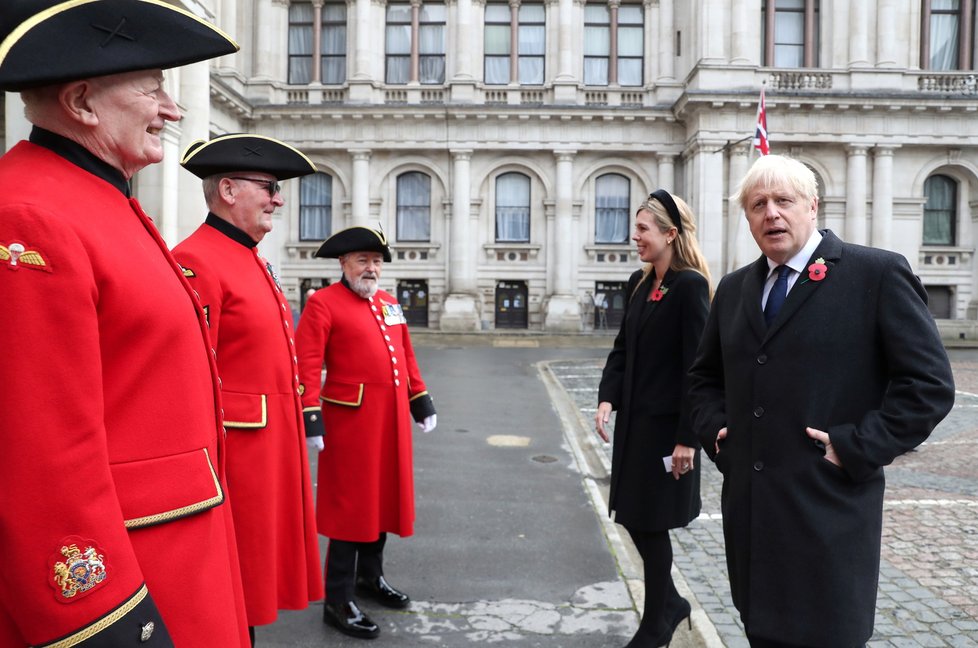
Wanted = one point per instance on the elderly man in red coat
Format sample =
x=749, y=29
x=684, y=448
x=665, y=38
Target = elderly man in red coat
x=251, y=328
x=373, y=389
x=114, y=524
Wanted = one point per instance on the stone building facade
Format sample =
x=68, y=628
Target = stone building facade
x=504, y=146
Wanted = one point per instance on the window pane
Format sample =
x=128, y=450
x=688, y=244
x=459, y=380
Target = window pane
x=612, y=193
x=943, y=41
x=300, y=12
x=432, y=69
x=334, y=70
x=532, y=39
x=630, y=15
x=630, y=41
x=300, y=69
x=797, y=5
x=597, y=41
x=300, y=39
x=398, y=39
x=596, y=71
x=432, y=13
x=629, y=72
x=940, y=211
x=497, y=39
x=944, y=5
x=789, y=56
x=597, y=13
x=532, y=13
x=400, y=13
x=334, y=12
x=431, y=39
x=512, y=207
x=315, y=207
x=497, y=13
x=398, y=69
x=789, y=28
x=497, y=70
x=531, y=70
x=334, y=40
x=413, y=207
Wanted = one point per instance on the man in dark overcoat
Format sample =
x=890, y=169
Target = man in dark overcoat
x=819, y=365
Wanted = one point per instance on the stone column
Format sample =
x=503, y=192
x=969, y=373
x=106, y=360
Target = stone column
x=563, y=307
x=272, y=17
x=741, y=248
x=667, y=45
x=886, y=46
x=613, y=42
x=713, y=31
x=460, y=311
x=667, y=173
x=704, y=165
x=463, y=40
x=565, y=85
x=741, y=31
x=361, y=61
x=415, y=37
x=317, y=41
x=856, y=194
x=858, y=34
x=360, y=207
x=882, y=225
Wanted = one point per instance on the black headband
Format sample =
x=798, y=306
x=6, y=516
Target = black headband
x=665, y=198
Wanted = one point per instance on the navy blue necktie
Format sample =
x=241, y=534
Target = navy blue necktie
x=775, y=300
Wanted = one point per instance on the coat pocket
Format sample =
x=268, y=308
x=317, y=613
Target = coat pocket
x=342, y=393
x=162, y=489
x=245, y=411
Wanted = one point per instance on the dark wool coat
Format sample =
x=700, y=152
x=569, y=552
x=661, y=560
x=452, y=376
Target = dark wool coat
x=644, y=379
x=856, y=355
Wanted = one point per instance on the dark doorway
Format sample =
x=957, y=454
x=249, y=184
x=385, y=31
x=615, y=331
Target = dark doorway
x=939, y=301
x=511, y=311
x=310, y=284
x=609, y=297
x=412, y=294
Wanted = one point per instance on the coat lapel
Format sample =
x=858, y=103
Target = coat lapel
x=643, y=292
x=829, y=249
x=752, y=290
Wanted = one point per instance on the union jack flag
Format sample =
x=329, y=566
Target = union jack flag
x=760, y=131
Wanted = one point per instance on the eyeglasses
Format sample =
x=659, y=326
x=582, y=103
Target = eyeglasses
x=271, y=186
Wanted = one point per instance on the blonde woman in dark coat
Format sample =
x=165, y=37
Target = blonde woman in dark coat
x=644, y=380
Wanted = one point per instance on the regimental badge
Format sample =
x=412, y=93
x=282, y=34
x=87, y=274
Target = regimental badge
x=77, y=569
x=187, y=272
x=393, y=314
x=16, y=255
x=274, y=275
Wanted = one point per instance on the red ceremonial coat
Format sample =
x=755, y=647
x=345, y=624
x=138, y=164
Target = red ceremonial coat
x=113, y=496
x=267, y=465
x=366, y=483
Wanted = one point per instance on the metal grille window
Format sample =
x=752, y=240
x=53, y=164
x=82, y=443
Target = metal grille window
x=315, y=207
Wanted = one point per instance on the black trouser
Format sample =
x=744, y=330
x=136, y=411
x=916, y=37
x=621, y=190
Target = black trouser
x=757, y=642
x=346, y=560
x=661, y=595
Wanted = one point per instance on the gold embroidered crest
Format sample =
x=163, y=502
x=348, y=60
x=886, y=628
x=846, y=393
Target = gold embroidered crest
x=77, y=571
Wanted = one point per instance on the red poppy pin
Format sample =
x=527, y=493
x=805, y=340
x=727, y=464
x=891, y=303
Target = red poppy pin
x=818, y=270
x=659, y=293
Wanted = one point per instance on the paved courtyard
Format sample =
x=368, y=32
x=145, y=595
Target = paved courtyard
x=928, y=593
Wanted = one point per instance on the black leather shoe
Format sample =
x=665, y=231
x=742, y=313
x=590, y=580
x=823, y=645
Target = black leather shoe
x=350, y=620
x=381, y=591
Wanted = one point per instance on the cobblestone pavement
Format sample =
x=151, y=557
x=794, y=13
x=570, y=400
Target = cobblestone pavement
x=928, y=590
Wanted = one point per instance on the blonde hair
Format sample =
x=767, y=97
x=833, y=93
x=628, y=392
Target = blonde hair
x=686, y=254
x=774, y=171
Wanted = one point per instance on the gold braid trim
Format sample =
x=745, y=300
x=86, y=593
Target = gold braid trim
x=183, y=511
x=103, y=623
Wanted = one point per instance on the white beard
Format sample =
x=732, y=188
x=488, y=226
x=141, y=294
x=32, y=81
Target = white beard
x=366, y=288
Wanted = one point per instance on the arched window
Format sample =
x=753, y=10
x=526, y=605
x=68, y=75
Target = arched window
x=612, y=193
x=512, y=208
x=940, y=211
x=413, y=207
x=315, y=207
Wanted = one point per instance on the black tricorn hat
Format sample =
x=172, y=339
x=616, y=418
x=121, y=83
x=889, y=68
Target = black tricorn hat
x=243, y=152
x=45, y=42
x=354, y=239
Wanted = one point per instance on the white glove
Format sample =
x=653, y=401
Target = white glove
x=315, y=443
x=429, y=423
